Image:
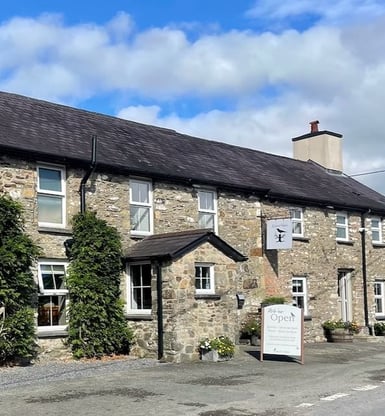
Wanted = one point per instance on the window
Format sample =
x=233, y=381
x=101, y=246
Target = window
x=204, y=279
x=207, y=207
x=139, y=293
x=379, y=298
x=52, y=299
x=296, y=215
x=141, y=207
x=342, y=226
x=51, y=196
x=299, y=292
x=376, y=225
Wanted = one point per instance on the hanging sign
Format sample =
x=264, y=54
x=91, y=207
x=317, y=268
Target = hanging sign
x=278, y=234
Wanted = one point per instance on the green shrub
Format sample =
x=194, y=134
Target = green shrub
x=17, y=286
x=97, y=325
x=379, y=328
x=273, y=300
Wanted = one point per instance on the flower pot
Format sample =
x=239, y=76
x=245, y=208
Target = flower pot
x=254, y=340
x=214, y=356
x=339, y=335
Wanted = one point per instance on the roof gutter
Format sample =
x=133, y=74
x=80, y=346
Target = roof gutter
x=82, y=189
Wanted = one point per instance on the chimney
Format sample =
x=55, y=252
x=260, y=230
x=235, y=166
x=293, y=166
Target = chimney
x=323, y=147
x=314, y=126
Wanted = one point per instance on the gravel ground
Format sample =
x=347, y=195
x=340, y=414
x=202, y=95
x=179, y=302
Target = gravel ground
x=64, y=370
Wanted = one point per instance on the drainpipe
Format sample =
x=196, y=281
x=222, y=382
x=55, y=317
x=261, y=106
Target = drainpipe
x=364, y=272
x=82, y=189
x=160, y=311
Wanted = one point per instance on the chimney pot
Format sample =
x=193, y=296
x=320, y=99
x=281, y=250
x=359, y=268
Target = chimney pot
x=314, y=126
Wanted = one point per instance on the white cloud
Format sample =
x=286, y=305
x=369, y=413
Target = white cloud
x=328, y=11
x=276, y=83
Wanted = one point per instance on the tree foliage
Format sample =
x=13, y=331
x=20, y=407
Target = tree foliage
x=17, y=287
x=96, y=321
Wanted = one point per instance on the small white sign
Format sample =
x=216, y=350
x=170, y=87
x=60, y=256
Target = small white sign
x=282, y=330
x=279, y=234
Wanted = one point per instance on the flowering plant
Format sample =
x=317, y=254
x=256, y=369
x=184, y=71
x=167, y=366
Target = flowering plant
x=251, y=327
x=352, y=326
x=222, y=344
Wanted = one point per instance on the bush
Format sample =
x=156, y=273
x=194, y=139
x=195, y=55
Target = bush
x=379, y=328
x=17, y=286
x=97, y=325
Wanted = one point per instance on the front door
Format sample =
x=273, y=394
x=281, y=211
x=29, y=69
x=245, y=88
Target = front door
x=345, y=295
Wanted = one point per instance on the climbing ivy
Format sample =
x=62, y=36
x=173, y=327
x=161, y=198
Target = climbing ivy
x=17, y=287
x=97, y=325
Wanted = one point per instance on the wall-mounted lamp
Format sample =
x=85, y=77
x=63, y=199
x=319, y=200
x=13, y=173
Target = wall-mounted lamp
x=240, y=300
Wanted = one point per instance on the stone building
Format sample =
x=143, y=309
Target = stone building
x=195, y=217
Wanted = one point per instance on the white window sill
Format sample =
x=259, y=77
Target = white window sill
x=346, y=242
x=207, y=296
x=52, y=332
x=378, y=244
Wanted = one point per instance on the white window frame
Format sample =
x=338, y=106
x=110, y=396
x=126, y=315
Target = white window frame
x=342, y=226
x=376, y=229
x=147, y=205
x=300, y=294
x=53, y=292
x=57, y=194
x=130, y=309
x=212, y=212
x=211, y=290
x=295, y=220
x=380, y=297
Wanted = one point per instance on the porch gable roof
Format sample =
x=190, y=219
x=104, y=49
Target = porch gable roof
x=175, y=245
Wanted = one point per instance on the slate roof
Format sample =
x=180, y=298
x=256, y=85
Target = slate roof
x=51, y=132
x=175, y=245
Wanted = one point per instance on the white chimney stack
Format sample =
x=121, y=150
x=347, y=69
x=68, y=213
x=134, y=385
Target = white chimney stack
x=323, y=147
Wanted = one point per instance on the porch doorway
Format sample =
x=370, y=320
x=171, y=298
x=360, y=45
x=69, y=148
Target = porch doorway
x=345, y=294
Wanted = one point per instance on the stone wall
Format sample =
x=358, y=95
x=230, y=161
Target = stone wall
x=241, y=219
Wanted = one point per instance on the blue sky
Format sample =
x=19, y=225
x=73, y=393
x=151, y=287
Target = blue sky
x=252, y=72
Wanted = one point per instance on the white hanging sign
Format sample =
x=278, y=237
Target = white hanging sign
x=278, y=234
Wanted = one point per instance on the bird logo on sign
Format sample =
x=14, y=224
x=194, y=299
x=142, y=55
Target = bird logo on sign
x=280, y=235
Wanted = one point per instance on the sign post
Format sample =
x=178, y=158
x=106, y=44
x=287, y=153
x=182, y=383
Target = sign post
x=282, y=331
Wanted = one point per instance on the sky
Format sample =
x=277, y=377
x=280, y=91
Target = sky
x=252, y=73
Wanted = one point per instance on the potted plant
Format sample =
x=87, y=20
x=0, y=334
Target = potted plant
x=340, y=331
x=273, y=300
x=251, y=329
x=216, y=349
x=379, y=328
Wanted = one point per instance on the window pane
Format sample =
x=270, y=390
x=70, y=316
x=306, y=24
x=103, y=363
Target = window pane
x=341, y=219
x=50, y=179
x=52, y=310
x=375, y=223
x=146, y=275
x=297, y=228
x=206, y=200
x=298, y=286
x=296, y=214
x=140, y=218
x=50, y=209
x=147, y=304
x=375, y=235
x=140, y=192
x=379, y=306
x=136, y=275
x=341, y=232
x=377, y=289
x=206, y=221
x=136, y=301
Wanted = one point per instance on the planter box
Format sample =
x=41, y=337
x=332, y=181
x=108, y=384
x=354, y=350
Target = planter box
x=213, y=356
x=339, y=335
